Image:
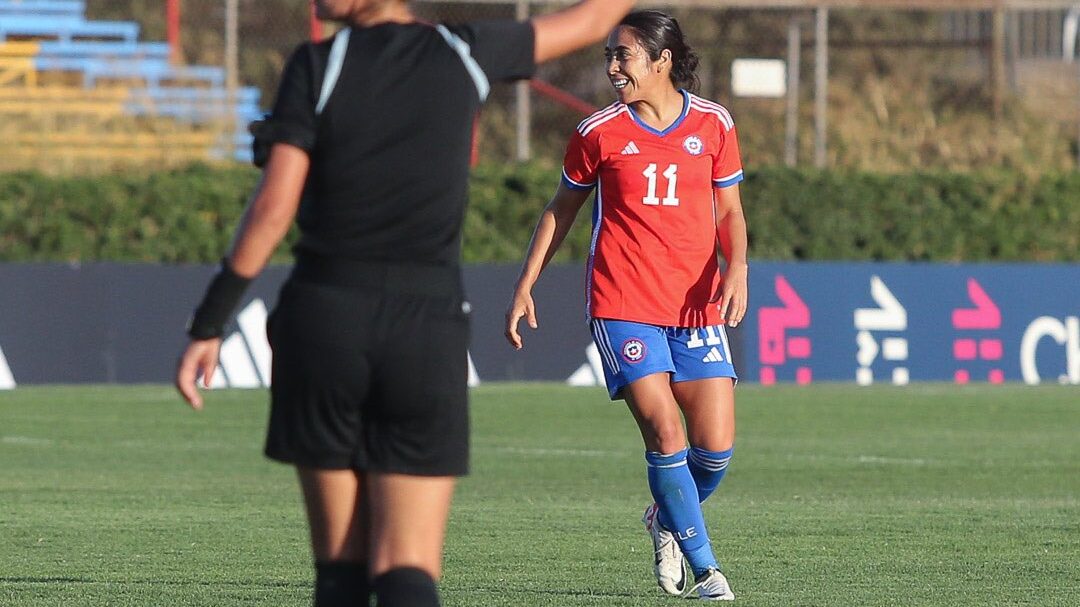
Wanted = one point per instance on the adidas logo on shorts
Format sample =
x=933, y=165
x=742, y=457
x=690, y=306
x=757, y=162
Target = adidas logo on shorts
x=713, y=356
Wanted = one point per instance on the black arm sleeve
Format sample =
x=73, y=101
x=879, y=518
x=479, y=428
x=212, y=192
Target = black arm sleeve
x=504, y=49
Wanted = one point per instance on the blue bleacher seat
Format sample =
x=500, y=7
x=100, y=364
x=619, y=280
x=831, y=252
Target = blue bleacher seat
x=111, y=49
x=194, y=104
x=106, y=50
x=51, y=8
x=66, y=28
x=153, y=71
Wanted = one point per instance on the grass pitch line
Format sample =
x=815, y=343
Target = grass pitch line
x=27, y=441
x=551, y=452
x=894, y=461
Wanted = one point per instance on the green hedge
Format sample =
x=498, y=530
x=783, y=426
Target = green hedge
x=189, y=215
x=176, y=216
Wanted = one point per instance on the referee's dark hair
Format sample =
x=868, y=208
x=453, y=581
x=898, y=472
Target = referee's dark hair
x=657, y=31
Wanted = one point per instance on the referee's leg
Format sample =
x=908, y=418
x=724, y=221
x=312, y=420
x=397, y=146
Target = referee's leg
x=338, y=520
x=408, y=525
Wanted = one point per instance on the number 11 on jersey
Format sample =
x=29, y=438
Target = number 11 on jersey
x=671, y=200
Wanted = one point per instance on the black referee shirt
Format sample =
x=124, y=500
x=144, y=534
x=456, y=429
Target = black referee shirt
x=390, y=152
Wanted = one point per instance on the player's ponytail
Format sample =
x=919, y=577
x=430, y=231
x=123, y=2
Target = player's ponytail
x=657, y=31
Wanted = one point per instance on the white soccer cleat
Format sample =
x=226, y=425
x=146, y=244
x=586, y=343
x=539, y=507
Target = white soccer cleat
x=668, y=563
x=712, y=586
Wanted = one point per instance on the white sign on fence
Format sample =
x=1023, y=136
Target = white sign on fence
x=759, y=77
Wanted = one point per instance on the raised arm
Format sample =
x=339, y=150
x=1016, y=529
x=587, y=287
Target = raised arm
x=551, y=230
x=577, y=26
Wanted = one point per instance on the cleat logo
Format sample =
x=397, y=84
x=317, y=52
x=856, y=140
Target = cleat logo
x=633, y=350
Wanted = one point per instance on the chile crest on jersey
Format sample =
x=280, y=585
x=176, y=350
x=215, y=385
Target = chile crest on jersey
x=693, y=145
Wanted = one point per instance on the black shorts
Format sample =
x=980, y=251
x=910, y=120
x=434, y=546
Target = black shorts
x=370, y=369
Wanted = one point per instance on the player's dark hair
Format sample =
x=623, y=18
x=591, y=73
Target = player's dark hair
x=657, y=31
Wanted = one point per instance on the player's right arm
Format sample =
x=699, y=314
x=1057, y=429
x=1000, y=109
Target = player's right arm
x=555, y=222
x=265, y=223
x=576, y=26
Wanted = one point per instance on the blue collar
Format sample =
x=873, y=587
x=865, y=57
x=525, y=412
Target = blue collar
x=674, y=125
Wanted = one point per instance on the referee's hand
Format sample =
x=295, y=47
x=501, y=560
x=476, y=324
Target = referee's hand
x=521, y=305
x=198, y=360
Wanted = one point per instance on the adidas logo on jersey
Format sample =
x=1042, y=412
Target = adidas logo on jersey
x=630, y=149
x=713, y=356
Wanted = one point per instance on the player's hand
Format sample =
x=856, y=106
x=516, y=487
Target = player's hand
x=198, y=360
x=733, y=295
x=521, y=305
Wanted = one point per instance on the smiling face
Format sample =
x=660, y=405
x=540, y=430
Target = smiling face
x=632, y=72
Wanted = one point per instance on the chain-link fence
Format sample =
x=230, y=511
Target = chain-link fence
x=907, y=89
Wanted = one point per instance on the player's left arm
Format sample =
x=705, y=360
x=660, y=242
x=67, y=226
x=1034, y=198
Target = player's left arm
x=731, y=236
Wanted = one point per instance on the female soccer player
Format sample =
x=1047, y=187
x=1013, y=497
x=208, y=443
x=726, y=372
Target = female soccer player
x=369, y=334
x=665, y=164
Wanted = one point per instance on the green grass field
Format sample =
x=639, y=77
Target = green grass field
x=838, y=495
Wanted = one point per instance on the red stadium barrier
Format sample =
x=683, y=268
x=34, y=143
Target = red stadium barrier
x=560, y=96
x=172, y=30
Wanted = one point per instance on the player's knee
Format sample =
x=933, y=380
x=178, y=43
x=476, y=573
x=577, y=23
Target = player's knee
x=668, y=436
x=712, y=437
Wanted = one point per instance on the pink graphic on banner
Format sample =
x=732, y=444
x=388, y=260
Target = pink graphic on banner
x=775, y=347
x=983, y=317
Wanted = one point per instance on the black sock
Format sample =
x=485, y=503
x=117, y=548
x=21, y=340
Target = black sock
x=405, y=587
x=341, y=584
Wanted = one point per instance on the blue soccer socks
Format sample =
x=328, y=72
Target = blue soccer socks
x=708, y=469
x=675, y=491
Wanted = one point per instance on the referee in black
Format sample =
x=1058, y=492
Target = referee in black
x=369, y=146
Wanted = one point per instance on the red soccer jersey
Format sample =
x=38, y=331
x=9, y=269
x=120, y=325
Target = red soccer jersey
x=653, y=257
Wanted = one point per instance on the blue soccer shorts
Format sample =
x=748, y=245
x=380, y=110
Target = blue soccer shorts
x=632, y=350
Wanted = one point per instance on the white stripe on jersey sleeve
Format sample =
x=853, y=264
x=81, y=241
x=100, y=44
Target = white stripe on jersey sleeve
x=480, y=79
x=731, y=179
x=581, y=125
x=333, y=67
x=574, y=185
x=716, y=110
x=601, y=117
